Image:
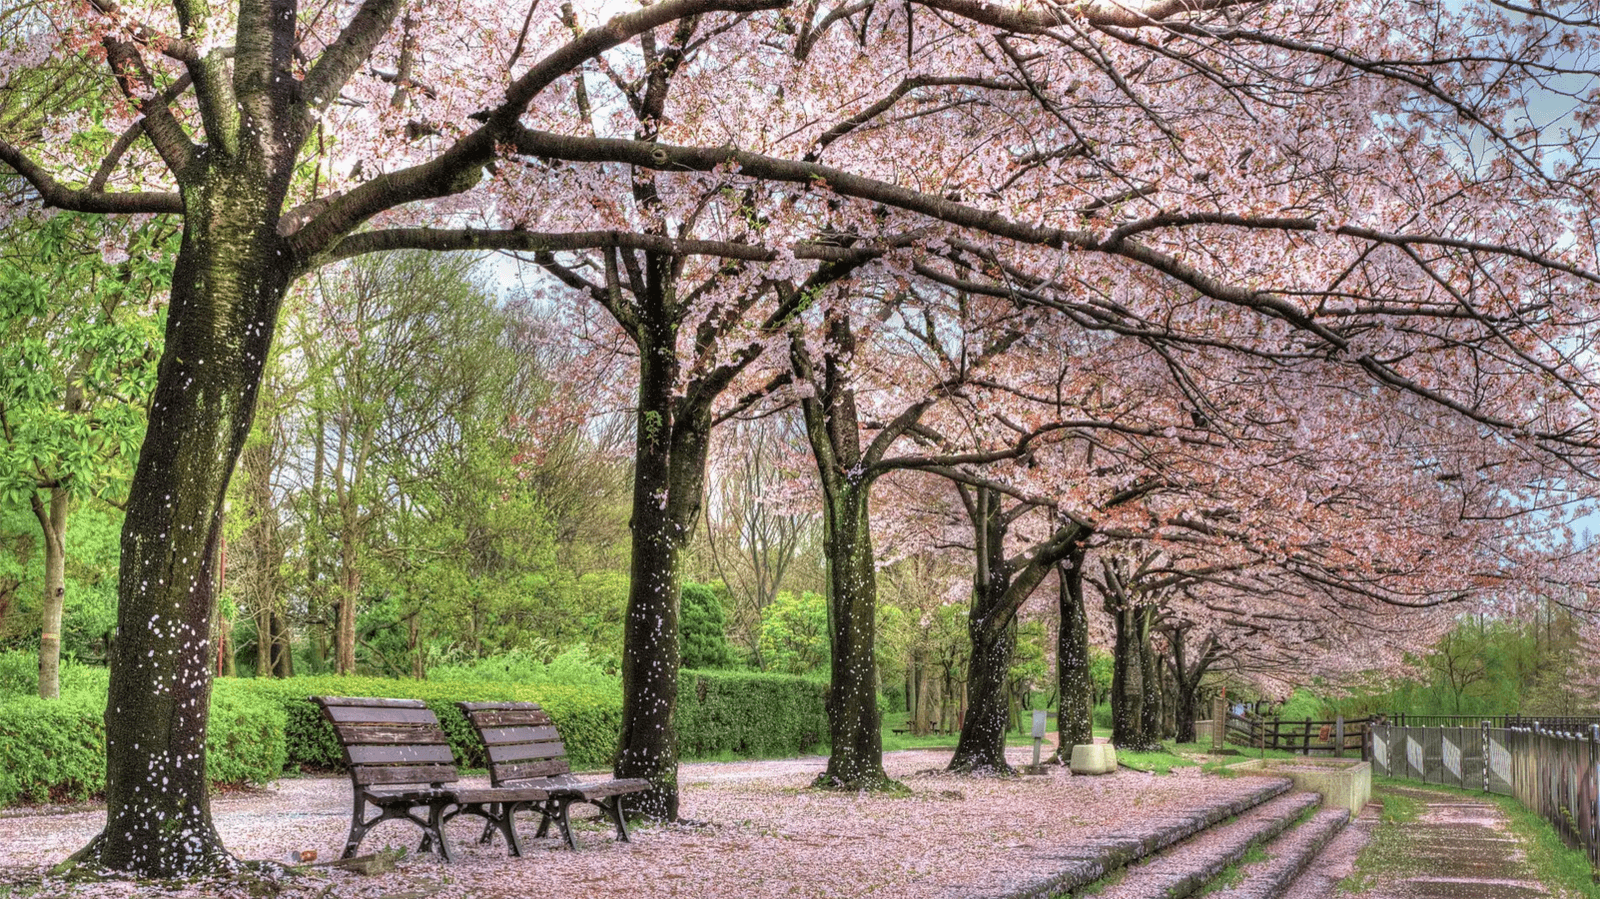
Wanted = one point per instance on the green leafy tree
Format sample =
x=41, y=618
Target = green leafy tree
x=79, y=339
x=794, y=633
x=703, y=628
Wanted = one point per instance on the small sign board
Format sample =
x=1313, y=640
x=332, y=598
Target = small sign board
x=1038, y=723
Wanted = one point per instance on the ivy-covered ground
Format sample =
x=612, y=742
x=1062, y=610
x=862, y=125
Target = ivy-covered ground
x=764, y=834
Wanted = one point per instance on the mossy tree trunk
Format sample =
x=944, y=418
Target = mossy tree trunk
x=1000, y=586
x=228, y=283
x=1075, y=715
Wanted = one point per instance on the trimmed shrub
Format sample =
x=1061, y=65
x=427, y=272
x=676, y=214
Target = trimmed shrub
x=590, y=718
x=245, y=736
x=750, y=713
x=51, y=750
x=55, y=750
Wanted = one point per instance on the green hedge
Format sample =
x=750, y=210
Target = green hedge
x=750, y=713
x=56, y=750
x=589, y=717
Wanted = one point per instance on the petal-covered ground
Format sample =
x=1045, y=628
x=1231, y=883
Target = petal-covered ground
x=764, y=833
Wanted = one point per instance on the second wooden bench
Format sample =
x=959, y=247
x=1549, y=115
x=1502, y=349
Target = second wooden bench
x=525, y=751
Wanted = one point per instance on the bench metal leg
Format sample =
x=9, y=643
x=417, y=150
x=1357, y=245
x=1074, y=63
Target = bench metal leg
x=556, y=810
x=613, y=808
x=432, y=826
x=496, y=817
x=433, y=830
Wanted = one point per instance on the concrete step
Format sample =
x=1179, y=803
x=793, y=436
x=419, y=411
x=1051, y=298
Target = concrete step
x=1287, y=856
x=1092, y=859
x=1185, y=868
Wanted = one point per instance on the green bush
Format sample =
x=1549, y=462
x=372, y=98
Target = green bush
x=1102, y=715
x=590, y=718
x=245, y=736
x=51, y=750
x=19, y=675
x=703, y=628
x=55, y=750
x=750, y=713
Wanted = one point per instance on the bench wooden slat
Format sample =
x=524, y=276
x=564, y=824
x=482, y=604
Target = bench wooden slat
x=369, y=702
x=497, y=705
x=413, y=754
x=340, y=714
x=494, y=736
x=520, y=752
x=403, y=774
x=511, y=772
x=389, y=734
x=510, y=718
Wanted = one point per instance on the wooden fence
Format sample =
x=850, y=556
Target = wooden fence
x=1308, y=736
x=1550, y=771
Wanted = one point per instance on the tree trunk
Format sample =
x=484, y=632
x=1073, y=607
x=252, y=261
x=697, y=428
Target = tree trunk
x=856, y=760
x=1149, y=720
x=230, y=278
x=53, y=523
x=1075, y=718
x=345, y=634
x=1126, y=694
x=671, y=444
x=982, y=746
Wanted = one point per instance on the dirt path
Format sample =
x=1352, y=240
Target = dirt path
x=1457, y=847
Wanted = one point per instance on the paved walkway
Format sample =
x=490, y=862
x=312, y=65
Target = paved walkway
x=1458, y=847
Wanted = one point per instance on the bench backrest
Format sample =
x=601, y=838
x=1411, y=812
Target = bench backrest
x=390, y=741
x=520, y=741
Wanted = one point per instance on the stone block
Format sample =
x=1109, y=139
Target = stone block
x=1096, y=758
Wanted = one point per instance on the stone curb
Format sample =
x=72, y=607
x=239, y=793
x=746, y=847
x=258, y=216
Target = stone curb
x=1095, y=858
x=1219, y=848
x=1271, y=878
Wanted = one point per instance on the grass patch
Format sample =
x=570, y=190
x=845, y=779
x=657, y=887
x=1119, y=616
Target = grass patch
x=900, y=721
x=1232, y=875
x=1156, y=762
x=1562, y=868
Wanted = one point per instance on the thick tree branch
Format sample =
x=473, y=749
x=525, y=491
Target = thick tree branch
x=59, y=196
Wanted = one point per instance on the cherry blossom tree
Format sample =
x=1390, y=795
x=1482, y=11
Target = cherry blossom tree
x=1160, y=169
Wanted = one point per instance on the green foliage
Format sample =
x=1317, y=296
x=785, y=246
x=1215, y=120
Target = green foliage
x=794, y=633
x=93, y=553
x=51, y=750
x=55, y=750
x=703, y=626
x=19, y=676
x=1487, y=666
x=246, y=739
x=1303, y=704
x=81, y=336
x=576, y=666
x=749, y=713
x=590, y=718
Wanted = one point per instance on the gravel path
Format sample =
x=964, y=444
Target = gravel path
x=767, y=835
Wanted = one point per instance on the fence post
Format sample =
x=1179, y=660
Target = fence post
x=1486, y=755
x=1592, y=838
x=1338, y=737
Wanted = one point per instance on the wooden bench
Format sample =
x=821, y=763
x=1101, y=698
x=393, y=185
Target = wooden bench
x=524, y=750
x=400, y=761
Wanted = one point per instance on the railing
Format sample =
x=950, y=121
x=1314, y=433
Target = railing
x=1308, y=736
x=1571, y=723
x=1550, y=771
